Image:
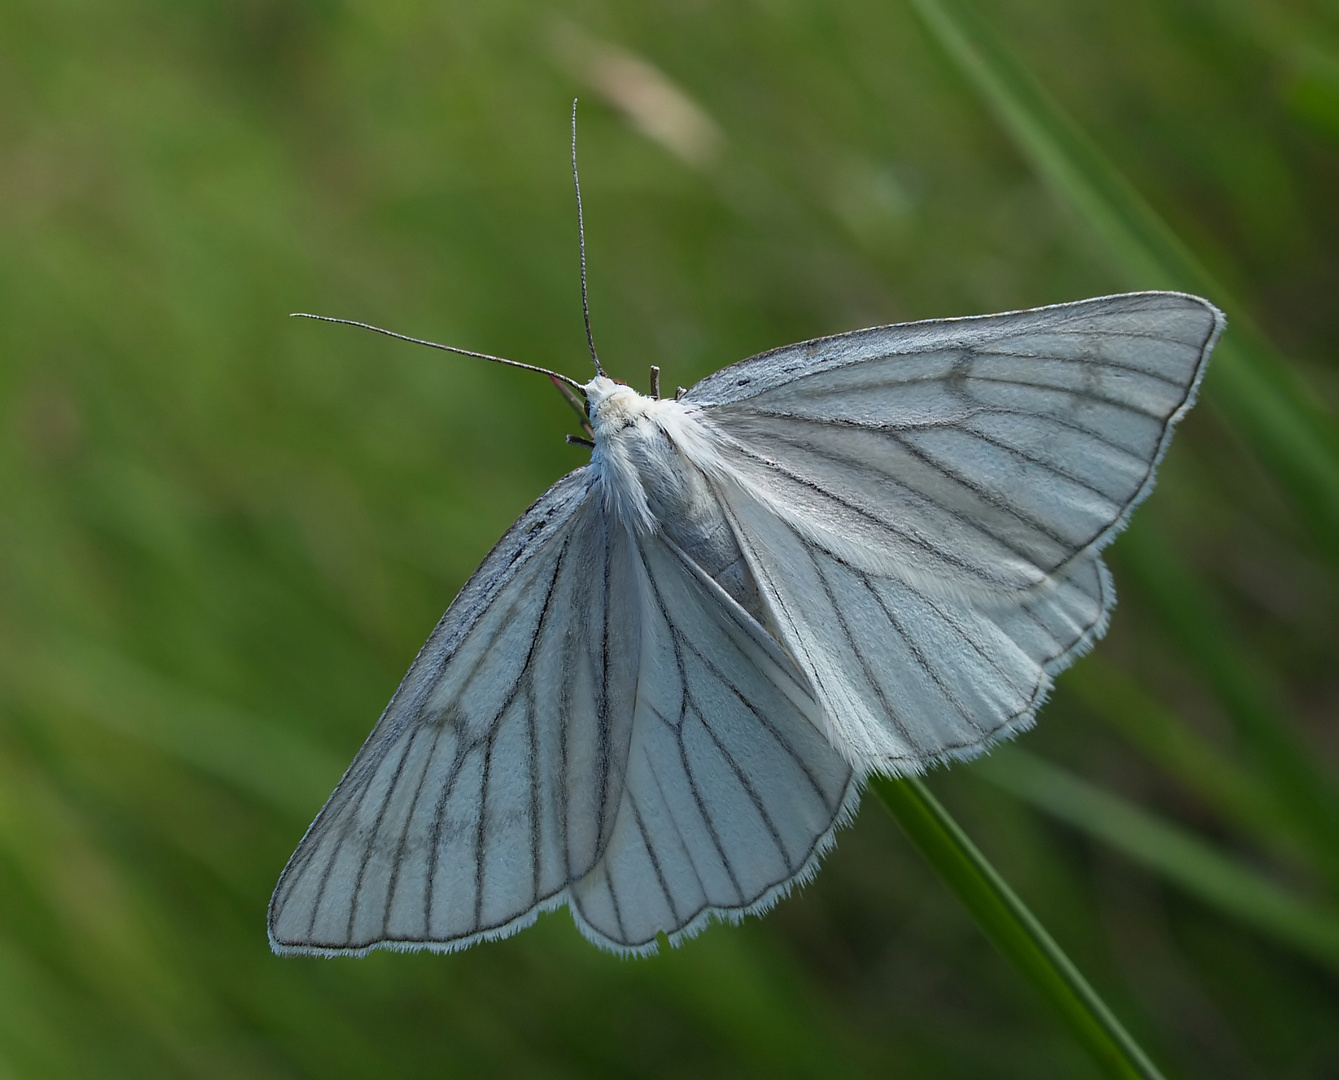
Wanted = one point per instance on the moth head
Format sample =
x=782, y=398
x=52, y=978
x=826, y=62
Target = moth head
x=613, y=405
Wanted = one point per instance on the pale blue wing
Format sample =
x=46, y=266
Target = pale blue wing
x=493, y=778
x=596, y=722
x=985, y=453
x=909, y=675
x=733, y=789
x=923, y=506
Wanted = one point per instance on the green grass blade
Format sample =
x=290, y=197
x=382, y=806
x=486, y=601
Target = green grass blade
x=1263, y=398
x=1175, y=854
x=1012, y=928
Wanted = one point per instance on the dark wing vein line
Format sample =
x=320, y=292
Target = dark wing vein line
x=976, y=409
x=694, y=789
x=991, y=498
x=911, y=538
x=962, y=425
x=870, y=678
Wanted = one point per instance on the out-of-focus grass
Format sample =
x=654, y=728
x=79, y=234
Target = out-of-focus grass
x=224, y=533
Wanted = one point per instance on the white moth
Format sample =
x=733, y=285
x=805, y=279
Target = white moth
x=659, y=696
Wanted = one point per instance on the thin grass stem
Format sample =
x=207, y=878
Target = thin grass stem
x=1012, y=927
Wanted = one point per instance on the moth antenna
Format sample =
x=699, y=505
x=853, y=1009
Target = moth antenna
x=445, y=348
x=655, y=381
x=581, y=241
x=679, y=393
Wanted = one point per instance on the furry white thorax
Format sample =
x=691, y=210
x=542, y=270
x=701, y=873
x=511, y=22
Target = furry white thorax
x=652, y=455
x=657, y=460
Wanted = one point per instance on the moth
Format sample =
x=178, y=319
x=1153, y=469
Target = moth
x=658, y=698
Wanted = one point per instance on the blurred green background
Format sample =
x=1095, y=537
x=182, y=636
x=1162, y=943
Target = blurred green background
x=224, y=533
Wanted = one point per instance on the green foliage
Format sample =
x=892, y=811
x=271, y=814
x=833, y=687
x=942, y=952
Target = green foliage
x=225, y=533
